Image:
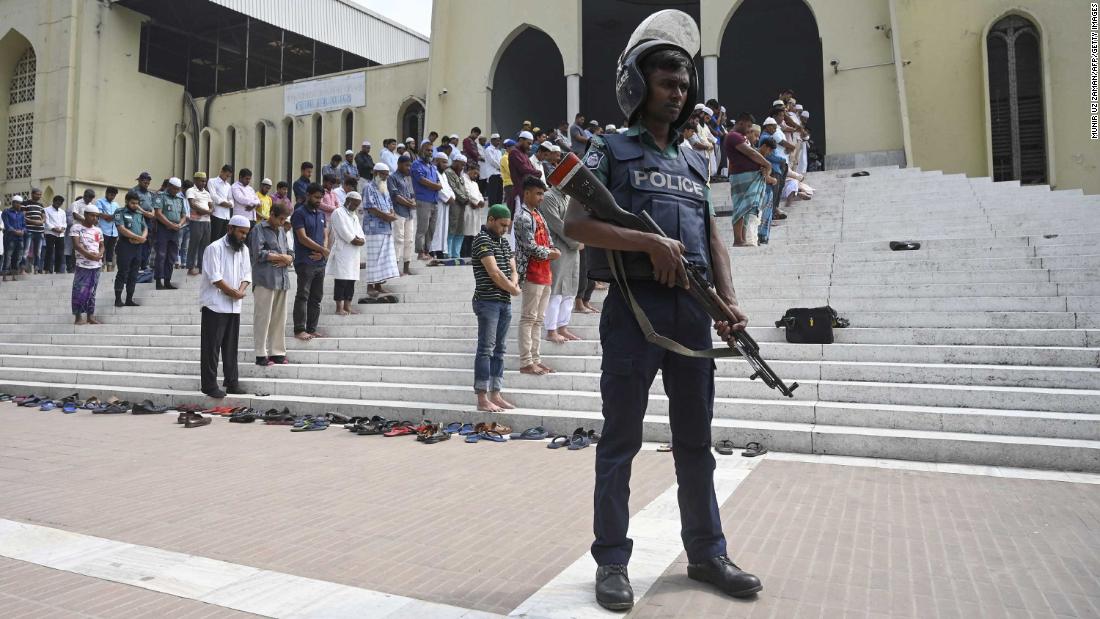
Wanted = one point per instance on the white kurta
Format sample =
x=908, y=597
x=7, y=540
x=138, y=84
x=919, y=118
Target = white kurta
x=343, y=259
x=442, y=210
x=474, y=217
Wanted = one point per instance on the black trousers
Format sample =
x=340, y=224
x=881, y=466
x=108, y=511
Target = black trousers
x=129, y=263
x=495, y=193
x=307, y=300
x=218, y=336
x=111, y=242
x=55, y=254
x=343, y=289
x=149, y=245
x=217, y=228
x=168, y=249
x=586, y=286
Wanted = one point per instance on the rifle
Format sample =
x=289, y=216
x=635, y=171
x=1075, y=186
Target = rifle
x=576, y=181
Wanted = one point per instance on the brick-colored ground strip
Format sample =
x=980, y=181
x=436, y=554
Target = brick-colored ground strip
x=480, y=526
x=34, y=592
x=842, y=541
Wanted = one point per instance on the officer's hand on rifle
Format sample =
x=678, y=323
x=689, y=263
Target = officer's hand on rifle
x=725, y=329
x=667, y=257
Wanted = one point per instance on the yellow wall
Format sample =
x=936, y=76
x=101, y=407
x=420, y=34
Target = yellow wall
x=947, y=96
x=387, y=87
x=464, y=53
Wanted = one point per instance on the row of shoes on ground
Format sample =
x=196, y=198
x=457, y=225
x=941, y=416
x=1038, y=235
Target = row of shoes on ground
x=726, y=447
x=72, y=403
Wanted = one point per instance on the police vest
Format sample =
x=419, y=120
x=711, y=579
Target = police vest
x=672, y=191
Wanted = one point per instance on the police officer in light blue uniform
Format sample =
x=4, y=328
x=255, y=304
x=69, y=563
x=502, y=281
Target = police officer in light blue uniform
x=645, y=170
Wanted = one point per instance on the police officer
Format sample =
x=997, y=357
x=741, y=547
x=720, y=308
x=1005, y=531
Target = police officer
x=645, y=170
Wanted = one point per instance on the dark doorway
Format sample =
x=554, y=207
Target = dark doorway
x=1016, y=102
x=528, y=84
x=606, y=27
x=749, y=40
x=412, y=122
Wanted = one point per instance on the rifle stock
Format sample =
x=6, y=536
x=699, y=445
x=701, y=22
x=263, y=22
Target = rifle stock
x=576, y=181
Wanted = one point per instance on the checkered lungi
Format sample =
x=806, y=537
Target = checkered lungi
x=381, y=259
x=747, y=193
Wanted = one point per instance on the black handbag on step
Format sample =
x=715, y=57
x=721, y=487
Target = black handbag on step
x=811, y=325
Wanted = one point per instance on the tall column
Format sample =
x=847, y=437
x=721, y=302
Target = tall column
x=710, y=77
x=572, y=96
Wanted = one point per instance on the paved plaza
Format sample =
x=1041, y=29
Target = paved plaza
x=124, y=516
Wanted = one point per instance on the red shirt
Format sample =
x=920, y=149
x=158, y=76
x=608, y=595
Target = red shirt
x=738, y=161
x=538, y=271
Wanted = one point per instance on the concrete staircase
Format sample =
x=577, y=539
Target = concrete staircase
x=982, y=347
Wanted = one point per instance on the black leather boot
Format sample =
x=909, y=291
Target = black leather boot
x=613, y=590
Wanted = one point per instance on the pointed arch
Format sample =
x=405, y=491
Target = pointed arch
x=265, y=149
x=410, y=119
x=288, y=149
x=18, y=86
x=1019, y=141
x=318, y=141
x=209, y=146
x=347, y=128
x=541, y=101
x=182, y=155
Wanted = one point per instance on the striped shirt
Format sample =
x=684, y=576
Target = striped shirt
x=35, y=216
x=488, y=244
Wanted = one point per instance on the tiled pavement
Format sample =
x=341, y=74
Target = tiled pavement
x=484, y=526
x=839, y=541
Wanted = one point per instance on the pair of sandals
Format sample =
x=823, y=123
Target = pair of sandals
x=248, y=415
x=309, y=423
x=432, y=434
x=370, y=427
x=752, y=449
x=276, y=417
x=146, y=407
x=580, y=439
x=383, y=298
x=192, y=419
x=486, y=435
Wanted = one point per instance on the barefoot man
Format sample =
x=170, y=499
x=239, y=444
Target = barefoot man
x=496, y=281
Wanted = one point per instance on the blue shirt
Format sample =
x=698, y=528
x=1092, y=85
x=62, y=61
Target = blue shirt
x=13, y=220
x=107, y=208
x=424, y=169
x=145, y=198
x=300, y=187
x=313, y=220
x=400, y=185
x=372, y=198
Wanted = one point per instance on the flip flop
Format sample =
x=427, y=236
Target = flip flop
x=5, y=397
x=467, y=429
x=578, y=441
x=754, y=449
x=531, y=434
x=90, y=403
x=453, y=428
x=403, y=428
x=494, y=436
x=557, y=442
x=438, y=437
x=664, y=447
x=724, y=447
x=48, y=405
x=69, y=408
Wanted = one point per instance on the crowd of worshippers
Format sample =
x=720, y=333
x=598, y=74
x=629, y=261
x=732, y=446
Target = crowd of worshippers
x=479, y=200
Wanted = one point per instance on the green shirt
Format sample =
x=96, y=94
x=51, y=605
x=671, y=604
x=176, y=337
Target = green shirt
x=599, y=154
x=171, y=207
x=131, y=220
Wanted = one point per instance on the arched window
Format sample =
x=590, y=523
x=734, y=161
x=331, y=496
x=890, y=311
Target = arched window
x=318, y=127
x=204, y=151
x=288, y=128
x=349, y=130
x=261, y=150
x=21, y=117
x=231, y=147
x=1016, y=114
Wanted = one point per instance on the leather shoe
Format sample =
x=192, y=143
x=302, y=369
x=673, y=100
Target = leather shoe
x=216, y=394
x=131, y=303
x=235, y=390
x=613, y=590
x=724, y=574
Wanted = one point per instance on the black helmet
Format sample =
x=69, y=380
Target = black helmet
x=667, y=29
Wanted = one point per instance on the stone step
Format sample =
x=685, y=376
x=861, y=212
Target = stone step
x=798, y=437
x=568, y=391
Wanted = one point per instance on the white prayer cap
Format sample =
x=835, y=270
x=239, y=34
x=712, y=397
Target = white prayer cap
x=609, y=127
x=798, y=107
x=495, y=136
x=709, y=111
x=175, y=182
x=453, y=136
x=805, y=114
x=91, y=208
x=554, y=148
x=17, y=198
x=266, y=181
x=366, y=143
x=407, y=140
x=699, y=106
x=544, y=144
x=768, y=121
x=459, y=157
x=401, y=145
x=778, y=102
x=354, y=195
x=381, y=167
x=722, y=109
x=349, y=152
x=526, y=135
x=440, y=155
x=423, y=142
x=238, y=221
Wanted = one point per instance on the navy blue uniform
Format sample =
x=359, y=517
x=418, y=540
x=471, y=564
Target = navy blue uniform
x=671, y=185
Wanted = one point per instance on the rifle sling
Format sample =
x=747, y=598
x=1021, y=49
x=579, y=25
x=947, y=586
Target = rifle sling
x=651, y=335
